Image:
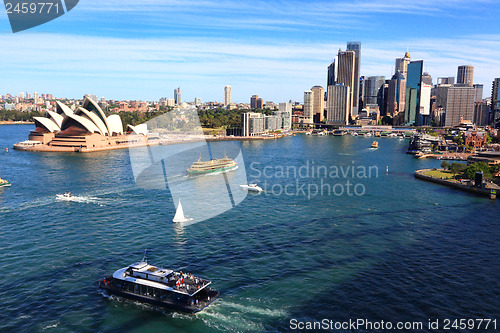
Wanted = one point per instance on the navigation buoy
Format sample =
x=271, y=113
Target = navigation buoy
x=387, y=169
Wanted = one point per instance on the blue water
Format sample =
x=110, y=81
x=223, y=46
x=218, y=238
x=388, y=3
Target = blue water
x=404, y=250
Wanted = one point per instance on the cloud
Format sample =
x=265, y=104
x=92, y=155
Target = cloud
x=70, y=65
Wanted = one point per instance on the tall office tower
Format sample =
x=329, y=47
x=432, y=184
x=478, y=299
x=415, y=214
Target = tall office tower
x=338, y=104
x=495, y=102
x=441, y=92
x=318, y=103
x=402, y=64
x=396, y=94
x=446, y=80
x=478, y=92
x=459, y=105
x=361, y=97
x=426, y=78
x=341, y=72
x=253, y=101
x=481, y=114
x=425, y=104
x=177, y=96
x=372, y=86
x=356, y=48
x=383, y=94
x=35, y=97
x=413, y=91
x=465, y=75
x=227, y=95
x=308, y=106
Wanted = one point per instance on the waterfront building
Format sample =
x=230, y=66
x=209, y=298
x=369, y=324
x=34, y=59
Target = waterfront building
x=372, y=86
x=227, y=95
x=465, y=75
x=356, y=48
x=252, y=123
x=284, y=120
x=177, y=96
x=396, y=93
x=402, y=64
x=308, y=106
x=459, y=105
x=413, y=91
x=285, y=107
x=478, y=95
x=495, y=102
x=338, y=104
x=318, y=105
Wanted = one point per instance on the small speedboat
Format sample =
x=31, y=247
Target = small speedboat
x=4, y=183
x=375, y=144
x=67, y=196
x=251, y=187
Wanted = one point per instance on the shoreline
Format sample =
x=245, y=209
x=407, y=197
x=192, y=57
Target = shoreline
x=488, y=190
x=10, y=122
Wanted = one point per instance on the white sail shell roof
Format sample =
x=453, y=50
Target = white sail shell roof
x=92, y=106
x=115, y=124
x=46, y=123
x=89, y=125
x=139, y=129
x=56, y=117
x=63, y=109
x=94, y=118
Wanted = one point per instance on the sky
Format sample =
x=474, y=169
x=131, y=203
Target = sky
x=277, y=49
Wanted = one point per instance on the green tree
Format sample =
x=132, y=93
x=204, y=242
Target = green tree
x=445, y=165
x=456, y=168
x=495, y=169
x=470, y=171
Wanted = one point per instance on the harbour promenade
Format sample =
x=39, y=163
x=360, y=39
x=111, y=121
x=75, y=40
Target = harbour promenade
x=485, y=189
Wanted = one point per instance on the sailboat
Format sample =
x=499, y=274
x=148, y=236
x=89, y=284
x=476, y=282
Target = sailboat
x=179, y=214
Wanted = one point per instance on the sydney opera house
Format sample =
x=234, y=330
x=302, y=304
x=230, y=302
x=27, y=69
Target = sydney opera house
x=83, y=130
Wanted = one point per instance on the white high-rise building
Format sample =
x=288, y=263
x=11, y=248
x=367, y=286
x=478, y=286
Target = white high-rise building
x=227, y=95
x=338, y=104
x=308, y=106
x=35, y=97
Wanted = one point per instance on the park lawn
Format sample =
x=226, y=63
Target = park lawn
x=439, y=173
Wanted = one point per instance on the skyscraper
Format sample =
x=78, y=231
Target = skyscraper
x=465, y=75
x=318, y=106
x=256, y=102
x=372, y=86
x=495, y=102
x=308, y=106
x=356, y=48
x=402, y=64
x=396, y=94
x=413, y=91
x=338, y=104
x=478, y=92
x=177, y=96
x=459, y=105
x=341, y=72
x=227, y=95
x=426, y=78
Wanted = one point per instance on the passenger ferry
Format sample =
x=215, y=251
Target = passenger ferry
x=215, y=165
x=160, y=287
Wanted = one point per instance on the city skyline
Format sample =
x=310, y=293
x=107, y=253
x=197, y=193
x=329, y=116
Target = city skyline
x=278, y=58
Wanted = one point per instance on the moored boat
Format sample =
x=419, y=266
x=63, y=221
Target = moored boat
x=160, y=287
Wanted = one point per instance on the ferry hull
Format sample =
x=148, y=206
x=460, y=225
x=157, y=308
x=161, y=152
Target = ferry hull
x=203, y=172
x=109, y=288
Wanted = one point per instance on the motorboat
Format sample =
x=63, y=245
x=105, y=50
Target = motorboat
x=375, y=144
x=251, y=187
x=67, y=196
x=159, y=286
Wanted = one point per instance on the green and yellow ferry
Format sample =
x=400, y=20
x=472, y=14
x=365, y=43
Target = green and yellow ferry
x=215, y=165
x=4, y=182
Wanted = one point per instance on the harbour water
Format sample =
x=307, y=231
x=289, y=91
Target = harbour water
x=399, y=249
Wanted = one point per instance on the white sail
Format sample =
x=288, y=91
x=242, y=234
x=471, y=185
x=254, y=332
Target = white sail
x=179, y=214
